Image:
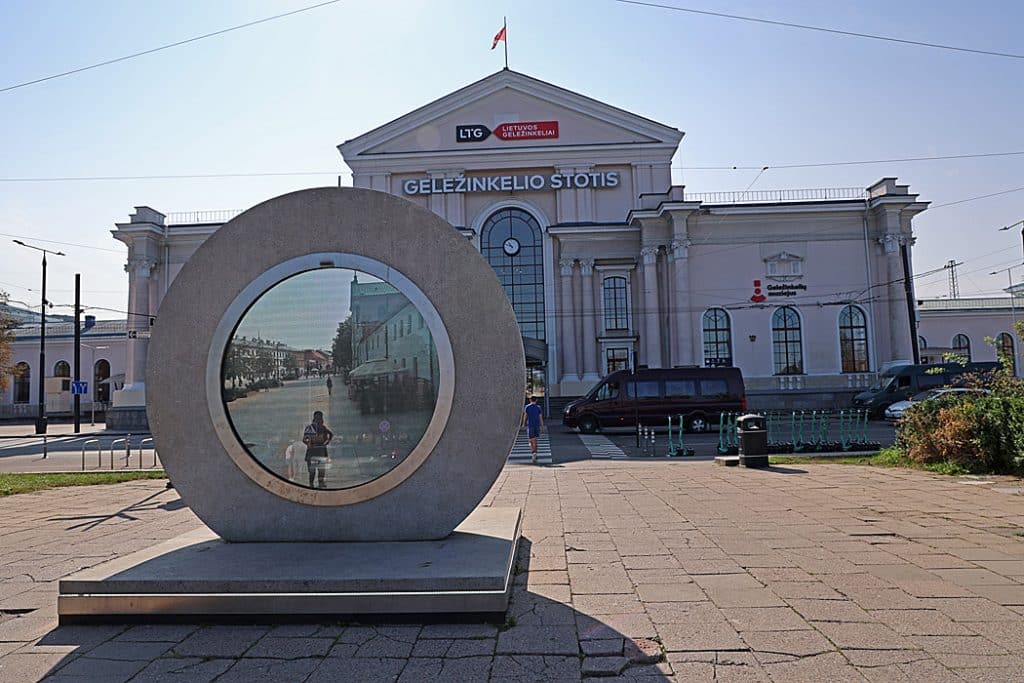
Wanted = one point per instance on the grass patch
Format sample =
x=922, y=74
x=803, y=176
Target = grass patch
x=24, y=482
x=887, y=457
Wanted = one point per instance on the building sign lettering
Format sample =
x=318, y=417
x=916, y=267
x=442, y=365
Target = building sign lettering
x=512, y=183
x=786, y=290
x=518, y=130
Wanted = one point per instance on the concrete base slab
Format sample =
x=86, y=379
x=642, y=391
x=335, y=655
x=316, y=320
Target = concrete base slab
x=198, y=575
x=727, y=460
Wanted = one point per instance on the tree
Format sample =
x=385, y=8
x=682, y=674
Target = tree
x=7, y=325
x=341, y=349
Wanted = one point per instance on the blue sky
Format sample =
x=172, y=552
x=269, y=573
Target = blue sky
x=280, y=96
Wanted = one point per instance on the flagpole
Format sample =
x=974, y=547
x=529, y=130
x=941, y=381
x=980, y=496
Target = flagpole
x=504, y=27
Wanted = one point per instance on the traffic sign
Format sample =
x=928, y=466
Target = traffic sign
x=79, y=388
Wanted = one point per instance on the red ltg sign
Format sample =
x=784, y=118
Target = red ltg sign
x=527, y=130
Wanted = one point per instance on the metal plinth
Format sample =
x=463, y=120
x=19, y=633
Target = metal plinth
x=199, y=576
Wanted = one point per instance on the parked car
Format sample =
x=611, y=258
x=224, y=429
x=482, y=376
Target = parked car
x=903, y=381
x=895, y=411
x=699, y=395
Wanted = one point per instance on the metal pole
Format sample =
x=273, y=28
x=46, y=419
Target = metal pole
x=908, y=289
x=94, y=388
x=78, y=353
x=41, y=417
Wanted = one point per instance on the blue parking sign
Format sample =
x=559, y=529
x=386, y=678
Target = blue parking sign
x=79, y=388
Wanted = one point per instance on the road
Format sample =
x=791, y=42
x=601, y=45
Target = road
x=365, y=446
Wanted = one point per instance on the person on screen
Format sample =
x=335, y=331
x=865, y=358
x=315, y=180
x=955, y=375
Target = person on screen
x=316, y=436
x=330, y=385
x=290, y=460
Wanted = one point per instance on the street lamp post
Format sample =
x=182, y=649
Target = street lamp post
x=41, y=418
x=95, y=389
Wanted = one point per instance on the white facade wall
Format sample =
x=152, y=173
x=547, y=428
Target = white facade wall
x=680, y=256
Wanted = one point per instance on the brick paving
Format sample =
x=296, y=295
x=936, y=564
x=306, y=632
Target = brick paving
x=645, y=571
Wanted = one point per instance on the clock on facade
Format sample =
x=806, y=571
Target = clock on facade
x=510, y=246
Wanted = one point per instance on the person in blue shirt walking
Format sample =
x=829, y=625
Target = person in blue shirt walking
x=533, y=420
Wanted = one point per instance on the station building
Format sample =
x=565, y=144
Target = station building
x=605, y=261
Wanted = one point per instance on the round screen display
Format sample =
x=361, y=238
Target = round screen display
x=330, y=378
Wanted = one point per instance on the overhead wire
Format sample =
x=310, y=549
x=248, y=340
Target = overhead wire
x=178, y=43
x=824, y=29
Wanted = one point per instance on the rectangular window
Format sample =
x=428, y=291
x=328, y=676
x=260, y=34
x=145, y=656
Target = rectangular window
x=615, y=303
x=617, y=359
x=680, y=388
x=714, y=388
x=648, y=388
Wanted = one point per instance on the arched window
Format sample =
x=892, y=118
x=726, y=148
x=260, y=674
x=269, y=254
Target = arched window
x=22, y=382
x=101, y=371
x=717, y=338
x=1005, y=350
x=922, y=343
x=962, y=346
x=511, y=241
x=853, y=339
x=615, y=298
x=787, y=347
x=63, y=369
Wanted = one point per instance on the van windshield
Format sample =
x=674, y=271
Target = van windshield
x=882, y=384
x=606, y=391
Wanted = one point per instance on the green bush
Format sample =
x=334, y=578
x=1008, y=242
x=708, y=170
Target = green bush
x=975, y=433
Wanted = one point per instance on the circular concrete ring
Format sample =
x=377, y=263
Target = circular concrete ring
x=479, y=404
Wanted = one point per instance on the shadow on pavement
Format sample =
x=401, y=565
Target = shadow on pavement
x=540, y=638
x=92, y=521
x=784, y=470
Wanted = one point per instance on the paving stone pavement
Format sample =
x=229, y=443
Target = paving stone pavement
x=628, y=571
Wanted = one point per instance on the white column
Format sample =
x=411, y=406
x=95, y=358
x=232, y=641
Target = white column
x=899, y=316
x=590, y=373
x=139, y=269
x=686, y=354
x=651, y=312
x=569, y=365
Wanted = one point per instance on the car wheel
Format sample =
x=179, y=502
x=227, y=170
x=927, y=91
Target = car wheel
x=588, y=424
x=697, y=424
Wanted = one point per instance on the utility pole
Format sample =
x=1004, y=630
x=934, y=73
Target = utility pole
x=78, y=351
x=908, y=290
x=41, y=417
x=954, y=285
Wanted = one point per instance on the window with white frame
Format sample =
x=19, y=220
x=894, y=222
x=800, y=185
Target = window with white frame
x=717, y=335
x=616, y=358
x=787, y=342
x=853, y=339
x=615, y=298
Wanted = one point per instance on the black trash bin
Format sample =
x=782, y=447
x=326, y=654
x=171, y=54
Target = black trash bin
x=752, y=434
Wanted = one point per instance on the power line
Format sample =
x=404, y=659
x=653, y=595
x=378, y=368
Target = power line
x=971, y=199
x=822, y=29
x=165, y=47
x=182, y=176
x=864, y=162
x=271, y=174
x=67, y=244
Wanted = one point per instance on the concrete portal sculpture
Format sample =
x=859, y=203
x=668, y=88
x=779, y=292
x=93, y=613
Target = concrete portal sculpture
x=425, y=414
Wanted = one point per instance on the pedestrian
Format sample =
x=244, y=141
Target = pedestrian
x=316, y=436
x=533, y=420
x=330, y=385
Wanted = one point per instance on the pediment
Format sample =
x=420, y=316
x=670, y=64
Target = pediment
x=508, y=97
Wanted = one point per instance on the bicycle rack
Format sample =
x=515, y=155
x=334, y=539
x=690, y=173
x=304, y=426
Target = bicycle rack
x=141, y=446
x=99, y=452
x=127, y=445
